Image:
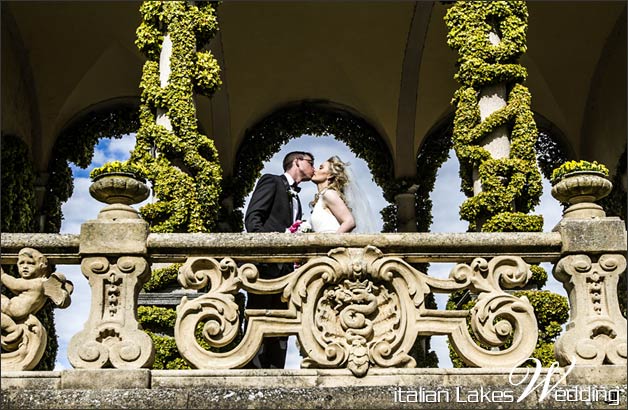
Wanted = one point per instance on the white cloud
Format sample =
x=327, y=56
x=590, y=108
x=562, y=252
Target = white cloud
x=122, y=147
x=99, y=158
x=80, y=208
x=114, y=149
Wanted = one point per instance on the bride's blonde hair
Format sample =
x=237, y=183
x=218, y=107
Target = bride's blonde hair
x=339, y=179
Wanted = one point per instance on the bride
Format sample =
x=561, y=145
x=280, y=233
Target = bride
x=331, y=213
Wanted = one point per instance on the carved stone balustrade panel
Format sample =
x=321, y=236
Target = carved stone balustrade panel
x=356, y=308
x=112, y=336
x=596, y=333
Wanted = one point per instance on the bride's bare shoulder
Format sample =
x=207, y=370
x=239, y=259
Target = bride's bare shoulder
x=331, y=196
x=330, y=193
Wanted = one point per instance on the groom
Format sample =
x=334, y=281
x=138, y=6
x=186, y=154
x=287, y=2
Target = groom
x=274, y=206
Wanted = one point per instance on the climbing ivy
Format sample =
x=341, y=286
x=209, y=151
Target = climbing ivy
x=18, y=180
x=181, y=164
x=162, y=278
x=510, y=186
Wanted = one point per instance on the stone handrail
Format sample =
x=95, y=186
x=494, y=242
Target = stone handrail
x=279, y=247
x=354, y=300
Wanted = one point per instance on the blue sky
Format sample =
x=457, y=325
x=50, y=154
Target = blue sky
x=446, y=199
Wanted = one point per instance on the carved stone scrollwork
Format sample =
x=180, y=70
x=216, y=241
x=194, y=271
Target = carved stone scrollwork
x=354, y=317
x=496, y=318
x=596, y=333
x=356, y=308
x=23, y=336
x=216, y=309
x=112, y=336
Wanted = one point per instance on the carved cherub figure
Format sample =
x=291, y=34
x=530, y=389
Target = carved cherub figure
x=31, y=290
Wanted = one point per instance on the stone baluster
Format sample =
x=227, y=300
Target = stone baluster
x=592, y=258
x=113, y=258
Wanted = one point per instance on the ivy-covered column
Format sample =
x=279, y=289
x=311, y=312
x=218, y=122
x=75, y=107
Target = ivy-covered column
x=494, y=130
x=181, y=163
x=494, y=136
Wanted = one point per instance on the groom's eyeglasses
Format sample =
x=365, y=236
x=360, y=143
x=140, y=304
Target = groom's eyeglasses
x=308, y=160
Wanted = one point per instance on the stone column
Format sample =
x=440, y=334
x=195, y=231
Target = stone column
x=592, y=258
x=406, y=210
x=491, y=99
x=113, y=258
x=164, y=76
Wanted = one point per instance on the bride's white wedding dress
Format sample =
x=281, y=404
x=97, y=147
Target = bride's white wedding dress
x=323, y=221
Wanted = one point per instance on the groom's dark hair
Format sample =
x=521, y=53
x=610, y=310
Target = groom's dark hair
x=291, y=156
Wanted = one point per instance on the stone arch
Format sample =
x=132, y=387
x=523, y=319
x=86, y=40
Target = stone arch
x=316, y=118
x=75, y=143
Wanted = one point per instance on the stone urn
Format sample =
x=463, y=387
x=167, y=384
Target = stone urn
x=119, y=190
x=581, y=189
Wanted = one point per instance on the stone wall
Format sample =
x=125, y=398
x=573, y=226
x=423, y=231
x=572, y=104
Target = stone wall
x=584, y=387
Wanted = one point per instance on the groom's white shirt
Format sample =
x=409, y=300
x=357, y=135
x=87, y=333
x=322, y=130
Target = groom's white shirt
x=295, y=203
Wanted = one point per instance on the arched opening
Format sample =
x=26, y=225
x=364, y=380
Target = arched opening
x=311, y=118
x=75, y=144
x=324, y=131
x=322, y=148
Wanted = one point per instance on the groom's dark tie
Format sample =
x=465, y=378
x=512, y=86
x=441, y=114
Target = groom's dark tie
x=296, y=189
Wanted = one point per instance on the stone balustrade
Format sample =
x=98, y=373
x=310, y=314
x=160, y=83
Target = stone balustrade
x=354, y=301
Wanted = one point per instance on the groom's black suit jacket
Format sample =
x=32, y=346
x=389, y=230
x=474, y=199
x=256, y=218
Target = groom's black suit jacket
x=270, y=210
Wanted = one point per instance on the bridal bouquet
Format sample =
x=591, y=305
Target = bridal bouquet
x=300, y=226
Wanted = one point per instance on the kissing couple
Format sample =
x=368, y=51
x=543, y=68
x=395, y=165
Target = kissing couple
x=274, y=207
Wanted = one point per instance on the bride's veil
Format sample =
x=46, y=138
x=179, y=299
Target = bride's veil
x=358, y=202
